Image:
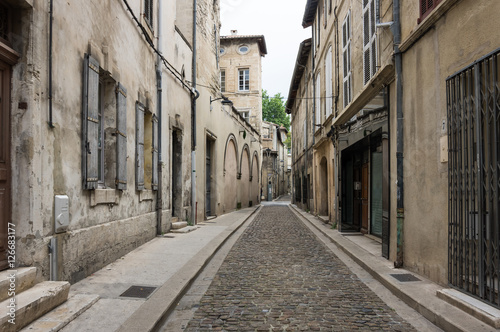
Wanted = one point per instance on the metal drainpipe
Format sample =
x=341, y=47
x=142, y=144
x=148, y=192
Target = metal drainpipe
x=51, y=18
x=159, y=193
x=195, y=95
x=399, y=135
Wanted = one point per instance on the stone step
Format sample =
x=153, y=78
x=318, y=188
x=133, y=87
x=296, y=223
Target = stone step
x=185, y=229
x=174, y=219
x=179, y=224
x=32, y=304
x=61, y=316
x=24, y=278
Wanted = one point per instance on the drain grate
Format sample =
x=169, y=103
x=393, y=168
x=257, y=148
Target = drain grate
x=405, y=277
x=141, y=292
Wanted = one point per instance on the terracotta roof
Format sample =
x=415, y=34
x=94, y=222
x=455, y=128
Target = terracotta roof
x=259, y=38
x=309, y=13
x=300, y=63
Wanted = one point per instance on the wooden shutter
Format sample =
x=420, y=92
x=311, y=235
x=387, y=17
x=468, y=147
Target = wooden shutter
x=154, y=180
x=139, y=146
x=318, y=101
x=426, y=7
x=90, y=122
x=121, y=137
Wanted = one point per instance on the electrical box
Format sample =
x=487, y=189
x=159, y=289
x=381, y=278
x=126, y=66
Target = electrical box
x=61, y=213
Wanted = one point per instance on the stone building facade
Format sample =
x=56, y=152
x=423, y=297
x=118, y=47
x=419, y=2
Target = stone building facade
x=98, y=144
x=274, y=161
x=241, y=74
x=410, y=137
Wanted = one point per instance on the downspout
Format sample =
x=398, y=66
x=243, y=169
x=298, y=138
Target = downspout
x=194, y=95
x=396, y=29
x=51, y=18
x=335, y=150
x=159, y=193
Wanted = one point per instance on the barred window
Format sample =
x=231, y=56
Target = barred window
x=148, y=12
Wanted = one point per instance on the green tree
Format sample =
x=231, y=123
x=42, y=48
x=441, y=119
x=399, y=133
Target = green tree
x=273, y=110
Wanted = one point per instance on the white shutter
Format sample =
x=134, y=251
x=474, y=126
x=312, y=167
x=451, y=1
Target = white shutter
x=318, y=99
x=329, y=83
x=346, y=56
x=369, y=41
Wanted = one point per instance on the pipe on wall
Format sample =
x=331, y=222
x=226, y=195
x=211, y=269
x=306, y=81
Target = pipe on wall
x=194, y=96
x=159, y=192
x=51, y=34
x=398, y=57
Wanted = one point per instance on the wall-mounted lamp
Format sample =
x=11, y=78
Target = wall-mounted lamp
x=225, y=101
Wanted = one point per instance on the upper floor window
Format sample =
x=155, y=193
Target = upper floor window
x=369, y=41
x=4, y=23
x=223, y=81
x=346, y=55
x=222, y=51
x=246, y=115
x=148, y=12
x=427, y=6
x=244, y=79
x=243, y=49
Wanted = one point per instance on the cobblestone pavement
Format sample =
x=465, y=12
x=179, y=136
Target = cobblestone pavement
x=279, y=277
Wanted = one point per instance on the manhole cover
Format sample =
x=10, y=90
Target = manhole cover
x=405, y=277
x=141, y=292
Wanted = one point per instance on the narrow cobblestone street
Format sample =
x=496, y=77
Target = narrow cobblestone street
x=280, y=277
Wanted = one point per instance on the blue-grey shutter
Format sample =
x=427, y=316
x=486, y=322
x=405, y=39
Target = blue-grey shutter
x=139, y=146
x=154, y=180
x=90, y=122
x=121, y=137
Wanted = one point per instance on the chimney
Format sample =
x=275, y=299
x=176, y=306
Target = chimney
x=234, y=32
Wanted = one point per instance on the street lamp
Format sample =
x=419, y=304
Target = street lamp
x=225, y=101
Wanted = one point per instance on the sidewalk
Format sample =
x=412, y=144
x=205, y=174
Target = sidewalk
x=422, y=295
x=168, y=264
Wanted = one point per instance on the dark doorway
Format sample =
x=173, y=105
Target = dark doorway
x=176, y=173
x=208, y=177
x=5, y=162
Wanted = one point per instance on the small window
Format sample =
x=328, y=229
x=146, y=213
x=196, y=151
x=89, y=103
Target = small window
x=223, y=81
x=243, y=49
x=222, y=51
x=244, y=80
x=245, y=115
x=426, y=7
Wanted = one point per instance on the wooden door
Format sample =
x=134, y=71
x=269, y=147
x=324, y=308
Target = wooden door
x=5, y=171
x=364, y=197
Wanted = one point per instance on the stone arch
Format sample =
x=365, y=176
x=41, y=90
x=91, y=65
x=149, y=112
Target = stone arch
x=244, y=183
x=230, y=138
x=247, y=149
x=254, y=179
x=230, y=194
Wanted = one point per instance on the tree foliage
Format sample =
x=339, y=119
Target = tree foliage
x=273, y=110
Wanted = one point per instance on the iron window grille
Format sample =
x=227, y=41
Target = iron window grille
x=473, y=108
x=148, y=12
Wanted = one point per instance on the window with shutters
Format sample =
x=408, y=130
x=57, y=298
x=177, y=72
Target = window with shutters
x=146, y=149
x=103, y=129
x=244, y=79
x=305, y=134
x=426, y=7
x=318, y=100
x=346, y=58
x=329, y=82
x=223, y=80
x=148, y=12
x=369, y=41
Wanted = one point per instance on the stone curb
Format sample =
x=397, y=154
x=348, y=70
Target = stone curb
x=150, y=315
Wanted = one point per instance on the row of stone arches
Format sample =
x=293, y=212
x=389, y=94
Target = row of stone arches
x=241, y=175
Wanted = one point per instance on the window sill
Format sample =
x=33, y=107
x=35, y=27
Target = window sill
x=146, y=195
x=104, y=196
x=426, y=24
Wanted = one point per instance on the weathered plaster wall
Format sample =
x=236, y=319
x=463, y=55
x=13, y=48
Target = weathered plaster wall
x=47, y=162
x=462, y=35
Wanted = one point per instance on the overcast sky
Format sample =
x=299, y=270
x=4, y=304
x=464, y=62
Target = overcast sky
x=280, y=21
